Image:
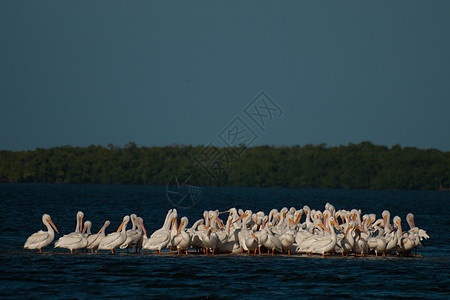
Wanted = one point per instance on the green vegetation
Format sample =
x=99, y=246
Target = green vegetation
x=363, y=165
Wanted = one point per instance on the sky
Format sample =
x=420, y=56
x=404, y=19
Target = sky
x=283, y=73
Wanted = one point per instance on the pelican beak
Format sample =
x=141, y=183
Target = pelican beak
x=179, y=228
x=346, y=232
x=209, y=222
x=291, y=222
x=222, y=212
x=173, y=224
x=400, y=228
x=323, y=227
x=298, y=218
x=338, y=226
x=264, y=224
x=209, y=232
x=219, y=221
x=143, y=228
x=120, y=227
x=240, y=218
x=81, y=224
x=254, y=236
x=53, y=225
x=384, y=221
x=361, y=229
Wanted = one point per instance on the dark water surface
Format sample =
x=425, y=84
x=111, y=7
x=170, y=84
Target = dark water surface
x=57, y=274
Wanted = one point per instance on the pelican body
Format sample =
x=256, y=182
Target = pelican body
x=42, y=238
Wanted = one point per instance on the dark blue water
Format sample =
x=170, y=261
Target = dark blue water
x=57, y=274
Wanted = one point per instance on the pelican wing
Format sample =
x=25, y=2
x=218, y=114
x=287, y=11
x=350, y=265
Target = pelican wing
x=36, y=238
x=274, y=240
x=69, y=241
x=110, y=241
x=156, y=242
x=133, y=237
x=93, y=240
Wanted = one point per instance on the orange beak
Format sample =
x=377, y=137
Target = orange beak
x=400, y=228
x=254, y=236
x=346, y=232
x=81, y=224
x=219, y=221
x=337, y=225
x=298, y=218
x=143, y=228
x=53, y=225
x=179, y=228
x=323, y=227
x=264, y=223
x=240, y=218
x=361, y=230
x=120, y=227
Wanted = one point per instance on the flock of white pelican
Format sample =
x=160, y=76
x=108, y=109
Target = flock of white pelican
x=324, y=232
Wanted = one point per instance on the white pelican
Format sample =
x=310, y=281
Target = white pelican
x=361, y=246
x=143, y=232
x=422, y=234
x=115, y=239
x=287, y=237
x=65, y=240
x=182, y=239
x=161, y=237
x=346, y=244
x=79, y=226
x=87, y=228
x=269, y=241
x=405, y=241
x=41, y=239
x=209, y=238
x=387, y=221
x=87, y=232
x=95, y=239
x=134, y=235
x=75, y=240
x=195, y=234
x=222, y=235
x=228, y=243
x=247, y=239
x=327, y=243
x=308, y=224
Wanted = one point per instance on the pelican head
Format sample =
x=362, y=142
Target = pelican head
x=46, y=219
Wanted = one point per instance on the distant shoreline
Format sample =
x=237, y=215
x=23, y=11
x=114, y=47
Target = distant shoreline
x=355, y=166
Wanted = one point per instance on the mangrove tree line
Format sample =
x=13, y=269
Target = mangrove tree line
x=363, y=165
